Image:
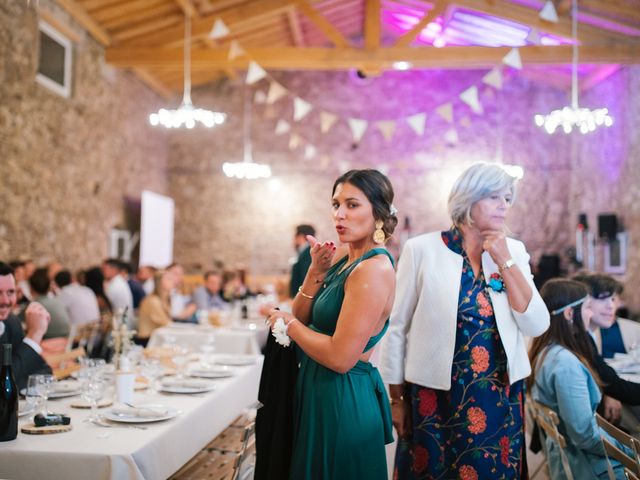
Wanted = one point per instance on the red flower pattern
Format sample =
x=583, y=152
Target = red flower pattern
x=480, y=357
x=477, y=420
x=428, y=402
x=467, y=472
x=420, y=458
x=486, y=310
x=504, y=450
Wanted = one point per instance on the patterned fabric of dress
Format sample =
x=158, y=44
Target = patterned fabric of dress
x=475, y=430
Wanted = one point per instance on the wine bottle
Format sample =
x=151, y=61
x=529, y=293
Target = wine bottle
x=8, y=398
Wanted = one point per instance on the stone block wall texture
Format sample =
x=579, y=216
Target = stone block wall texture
x=67, y=164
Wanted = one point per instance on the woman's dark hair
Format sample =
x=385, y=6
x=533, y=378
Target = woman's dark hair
x=39, y=281
x=5, y=269
x=557, y=293
x=94, y=279
x=378, y=190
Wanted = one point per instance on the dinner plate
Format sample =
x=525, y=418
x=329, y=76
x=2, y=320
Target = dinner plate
x=61, y=390
x=235, y=360
x=211, y=371
x=186, y=386
x=128, y=415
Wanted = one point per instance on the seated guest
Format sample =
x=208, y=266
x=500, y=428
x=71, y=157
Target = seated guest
x=564, y=379
x=22, y=281
x=183, y=308
x=612, y=335
x=207, y=297
x=155, y=310
x=233, y=286
x=117, y=289
x=144, y=275
x=26, y=351
x=137, y=292
x=94, y=280
x=60, y=324
x=80, y=301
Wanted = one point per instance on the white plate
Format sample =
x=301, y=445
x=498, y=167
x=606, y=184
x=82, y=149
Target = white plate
x=235, y=360
x=211, y=372
x=61, y=390
x=186, y=386
x=132, y=418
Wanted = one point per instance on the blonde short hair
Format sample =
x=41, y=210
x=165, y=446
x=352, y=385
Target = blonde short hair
x=479, y=181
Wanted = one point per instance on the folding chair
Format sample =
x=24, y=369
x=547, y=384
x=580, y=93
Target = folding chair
x=548, y=421
x=630, y=464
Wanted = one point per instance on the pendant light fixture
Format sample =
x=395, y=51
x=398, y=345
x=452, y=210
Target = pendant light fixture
x=568, y=118
x=186, y=114
x=247, y=169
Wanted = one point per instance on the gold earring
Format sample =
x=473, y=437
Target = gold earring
x=379, y=236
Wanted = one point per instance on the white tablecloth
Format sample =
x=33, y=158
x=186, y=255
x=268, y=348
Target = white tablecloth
x=92, y=452
x=247, y=337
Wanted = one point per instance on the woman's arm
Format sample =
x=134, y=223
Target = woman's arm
x=156, y=313
x=368, y=291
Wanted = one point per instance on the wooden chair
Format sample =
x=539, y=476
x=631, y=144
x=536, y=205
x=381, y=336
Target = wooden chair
x=631, y=464
x=64, y=364
x=630, y=475
x=207, y=464
x=548, y=421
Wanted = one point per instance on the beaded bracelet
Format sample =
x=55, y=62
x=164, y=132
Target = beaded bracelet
x=310, y=297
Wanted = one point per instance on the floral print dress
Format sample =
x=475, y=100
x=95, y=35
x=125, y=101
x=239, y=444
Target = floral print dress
x=475, y=430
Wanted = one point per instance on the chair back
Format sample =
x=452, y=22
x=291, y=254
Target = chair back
x=548, y=421
x=630, y=475
x=245, y=462
x=631, y=464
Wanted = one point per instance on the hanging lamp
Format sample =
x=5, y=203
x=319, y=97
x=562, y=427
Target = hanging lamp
x=186, y=114
x=247, y=169
x=573, y=116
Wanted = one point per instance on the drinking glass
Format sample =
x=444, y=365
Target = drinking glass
x=32, y=396
x=180, y=359
x=43, y=386
x=207, y=347
x=92, y=390
x=151, y=370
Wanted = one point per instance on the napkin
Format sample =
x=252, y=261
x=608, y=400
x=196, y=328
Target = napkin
x=140, y=412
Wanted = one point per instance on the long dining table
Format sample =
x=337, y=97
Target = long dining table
x=124, y=450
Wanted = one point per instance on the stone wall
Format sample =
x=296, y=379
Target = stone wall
x=67, y=164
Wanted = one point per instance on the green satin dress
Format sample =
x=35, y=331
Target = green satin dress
x=343, y=421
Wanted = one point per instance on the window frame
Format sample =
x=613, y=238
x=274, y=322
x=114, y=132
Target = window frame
x=63, y=90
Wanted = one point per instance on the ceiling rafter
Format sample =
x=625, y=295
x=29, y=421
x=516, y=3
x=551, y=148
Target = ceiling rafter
x=372, y=25
x=322, y=23
x=438, y=9
x=383, y=58
x=81, y=16
x=297, y=34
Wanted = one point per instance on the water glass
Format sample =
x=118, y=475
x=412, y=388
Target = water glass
x=43, y=386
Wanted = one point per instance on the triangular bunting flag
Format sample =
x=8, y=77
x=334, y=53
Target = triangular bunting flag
x=549, y=13
x=300, y=109
x=260, y=97
x=235, y=50
x=294, y=141
x=446, y=112
x=387, y=127
x=533, y=36
x=255, y=73
x=276, y=92
x=416, y=122
x=512, y=59
x=470, y=97
x=358, y=127
x=309, y=152
x=282, y=127
x=219, y=30
x=464, y=122
x=494, y=78
x=326, y=121
x=451, y=136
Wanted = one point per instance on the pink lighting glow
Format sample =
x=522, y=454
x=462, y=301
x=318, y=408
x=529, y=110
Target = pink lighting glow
x=439, y=42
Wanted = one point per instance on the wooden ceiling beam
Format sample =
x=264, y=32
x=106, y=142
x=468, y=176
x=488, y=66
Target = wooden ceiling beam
x=132, y=19
x=294, y=26
x=152, y=82
x=346, y=58
x=527, y=16
x=187, y=7
x=372, y=25
x=243, y=13
x=406, y=39
x=151, y=26
x=132, y=6
x=322, y=24
x=81, y=16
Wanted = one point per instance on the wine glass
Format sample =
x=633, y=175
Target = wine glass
x=180, y=359
x=207, y=347
x=32, y=396
x=92, y=390
x=151, y=370
x=43, y=386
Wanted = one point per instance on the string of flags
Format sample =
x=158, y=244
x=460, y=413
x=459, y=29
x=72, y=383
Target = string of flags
x=359, y=127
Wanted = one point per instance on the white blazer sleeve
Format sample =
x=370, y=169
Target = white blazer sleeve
x=394, y=345
x=534, y=321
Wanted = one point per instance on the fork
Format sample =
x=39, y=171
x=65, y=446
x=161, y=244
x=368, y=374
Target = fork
x=101, y=422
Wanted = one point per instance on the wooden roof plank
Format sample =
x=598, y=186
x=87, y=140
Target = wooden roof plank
x=297, y=35
x=406, y=39
x=145, y=27
x=347, y=58
x=132, y=19
x=372, y=25
x=81, y=16
x=322, y=24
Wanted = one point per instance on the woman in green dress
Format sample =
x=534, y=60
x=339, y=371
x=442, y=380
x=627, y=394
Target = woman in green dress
x=342, y=416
